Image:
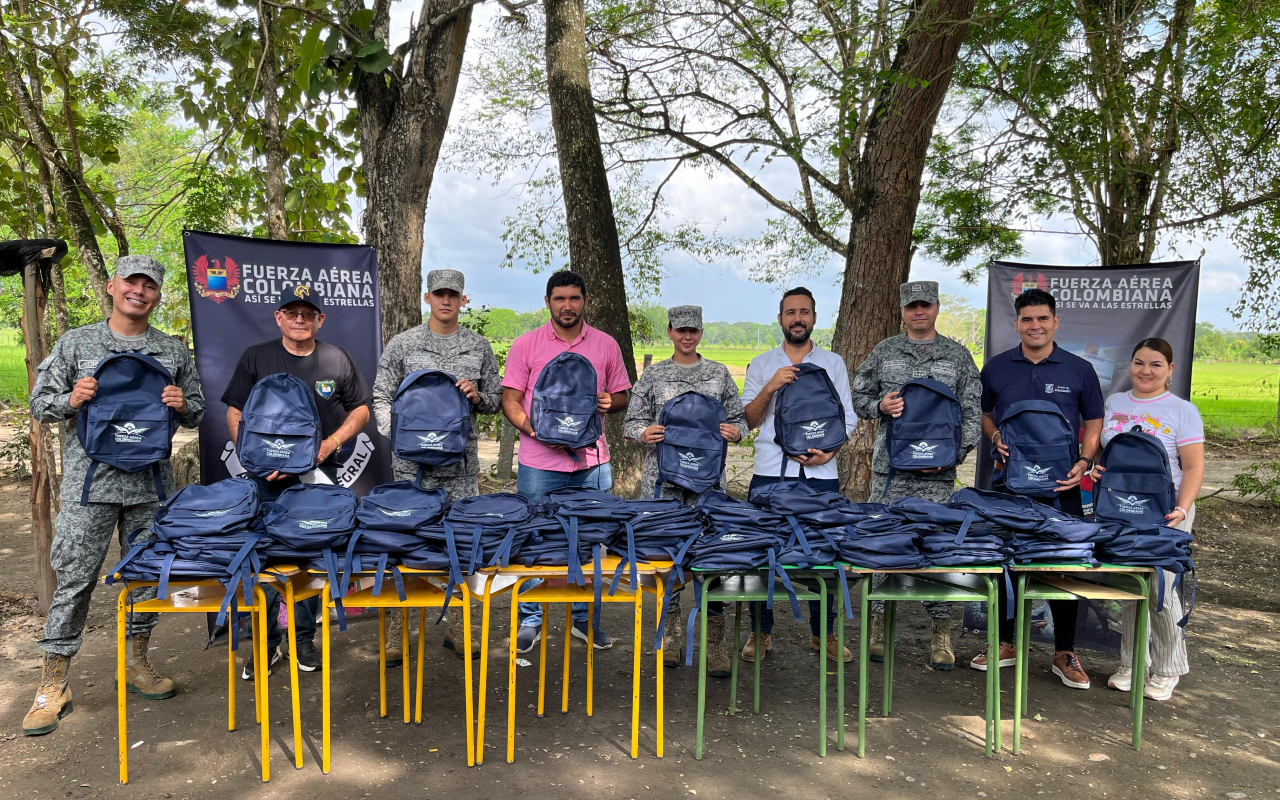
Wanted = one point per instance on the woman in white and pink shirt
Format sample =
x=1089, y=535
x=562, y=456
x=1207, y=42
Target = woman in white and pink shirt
x=1177, y=424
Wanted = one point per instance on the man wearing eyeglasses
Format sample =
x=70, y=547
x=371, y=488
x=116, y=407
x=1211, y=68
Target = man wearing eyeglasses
x=342, y=398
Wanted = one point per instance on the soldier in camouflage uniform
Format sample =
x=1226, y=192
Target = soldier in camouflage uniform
x=685, y=371
x=117, y=500
x=445, y=345
x=921, y=352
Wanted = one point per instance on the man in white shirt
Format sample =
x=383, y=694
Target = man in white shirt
x=767, y=373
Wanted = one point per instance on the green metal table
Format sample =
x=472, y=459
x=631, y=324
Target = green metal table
x=947, y=584
x=739, y=586
x=1076, y=582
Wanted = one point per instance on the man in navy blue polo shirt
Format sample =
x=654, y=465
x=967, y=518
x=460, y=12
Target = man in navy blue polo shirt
x=1038, y=369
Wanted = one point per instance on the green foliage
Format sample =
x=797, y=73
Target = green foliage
x=1259, y=481
x=1215, y=344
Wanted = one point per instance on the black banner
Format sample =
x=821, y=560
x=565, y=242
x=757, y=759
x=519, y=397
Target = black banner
x=235, y=284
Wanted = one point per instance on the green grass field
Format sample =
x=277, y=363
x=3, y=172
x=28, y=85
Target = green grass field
x=1231, y=397
x=13, y=367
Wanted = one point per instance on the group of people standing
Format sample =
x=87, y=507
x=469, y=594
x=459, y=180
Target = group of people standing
x=124, y=502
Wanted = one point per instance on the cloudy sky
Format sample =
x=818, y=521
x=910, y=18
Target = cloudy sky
x=464, y=225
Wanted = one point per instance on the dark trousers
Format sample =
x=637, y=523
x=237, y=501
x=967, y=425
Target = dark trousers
x=766, y=614
x=1065, y=612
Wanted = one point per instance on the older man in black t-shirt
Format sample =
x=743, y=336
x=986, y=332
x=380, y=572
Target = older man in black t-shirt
x=342, y=398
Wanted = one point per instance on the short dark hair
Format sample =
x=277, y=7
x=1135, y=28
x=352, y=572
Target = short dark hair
x=565, y=277
x=1035, y=297
x=1154, y=343
x=813, y=305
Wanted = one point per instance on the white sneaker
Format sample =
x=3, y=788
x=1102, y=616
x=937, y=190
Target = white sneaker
x=1122, y=681
x=1160, y=687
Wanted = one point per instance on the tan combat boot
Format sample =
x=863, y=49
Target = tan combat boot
x=718, y=664
x=833, y=647
x=749, y=649
x=141, y=677
x=455, y=638
x=942, y=656
x=672, y=638
x=394, y=657
x=876, y=648
x=53, y=698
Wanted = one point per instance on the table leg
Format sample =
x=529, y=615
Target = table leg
x=1024, y=664
x=755, y=665
x=1138, y=684
x=702, y=672
x=466, y=671
x=122, y=694
x=863, y=660
x=260, y=678
x=404, y=665
x=840, y=669
x=822, y=667
x=568, y=647
x=1019, y=645
x=542, y=661
x=511, y=673
x=635, y=668
x=231, y=683
x=382, y=662
x=417, y=699
x=325, y=675
x=734, y=656
x=591, y=655
x=993, y=688
x=293, y=674
x=658, y=681
x=890, y=642
x=482, y=697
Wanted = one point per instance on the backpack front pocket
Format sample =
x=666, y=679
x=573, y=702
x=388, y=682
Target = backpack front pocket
x=565, y=419
x=129, y=436
x=822, y=433
x=265, y=448
x=1134, y=498
x=429, y=440
x=923, y=445
x=691, y=458
x=1037, y=468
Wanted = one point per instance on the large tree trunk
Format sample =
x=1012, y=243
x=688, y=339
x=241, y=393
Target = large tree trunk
x=403, y=118
x=277, y=219
x=887, y=192
x=594, y=252
x=77, y=217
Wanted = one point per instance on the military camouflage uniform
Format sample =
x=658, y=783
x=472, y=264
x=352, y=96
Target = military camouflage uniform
x=663, y=381
x=466, y=354
x=892, y=363
x=117, y=500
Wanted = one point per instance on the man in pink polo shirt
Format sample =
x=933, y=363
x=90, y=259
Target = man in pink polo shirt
x=544, y=468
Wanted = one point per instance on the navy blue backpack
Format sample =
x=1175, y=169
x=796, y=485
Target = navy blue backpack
x=927, y=433
x=430, y=420
x=1137, y=486
x=808, y=414
x=1042, y=447
x=125, y=425
x=218, y=509
x=692, y=452
x=279, y=427
x=563, y=411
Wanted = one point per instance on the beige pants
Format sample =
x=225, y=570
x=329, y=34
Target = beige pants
x=1166, y=647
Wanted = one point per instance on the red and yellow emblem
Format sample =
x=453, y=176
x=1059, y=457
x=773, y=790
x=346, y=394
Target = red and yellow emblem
x=216, y=280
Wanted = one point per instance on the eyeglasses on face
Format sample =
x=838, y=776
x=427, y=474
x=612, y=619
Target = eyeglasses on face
x=309, y=315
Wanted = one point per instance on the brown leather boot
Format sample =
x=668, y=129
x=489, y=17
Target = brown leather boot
x=672, y=638
x=718, y=663
x=53, y=698
x=941, y=656
x=455, y=637
x=876, y=646
x=142, y=678
x=749, y=649
x=833, y=647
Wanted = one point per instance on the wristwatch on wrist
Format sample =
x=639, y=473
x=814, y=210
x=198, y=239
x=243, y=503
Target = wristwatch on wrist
x=1088, y=463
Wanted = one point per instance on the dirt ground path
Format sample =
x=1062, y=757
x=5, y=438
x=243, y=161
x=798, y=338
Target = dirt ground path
x=1219, y=736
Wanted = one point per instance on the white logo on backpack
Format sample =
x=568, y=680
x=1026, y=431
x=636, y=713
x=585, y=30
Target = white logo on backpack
x=1131, y=505
x=923, y=450
x=1036, y=473
x=814, y=429
x=432, y=441
x=568, y=425
x=128, y=433
x=279, y=448
x=311, y=524
x=691, y=462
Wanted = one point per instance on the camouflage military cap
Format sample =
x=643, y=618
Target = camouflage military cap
x=438, y=279
x=685, y=317
x=918, y=291
x=128, y=266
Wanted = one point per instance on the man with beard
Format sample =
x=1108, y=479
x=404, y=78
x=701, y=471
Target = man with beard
x=544, y=468
x=767, y=373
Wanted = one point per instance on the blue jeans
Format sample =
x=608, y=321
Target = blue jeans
x=766, y=614
x=534, y=485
